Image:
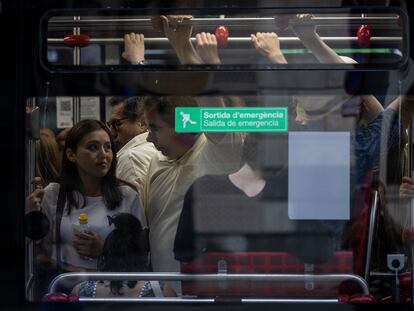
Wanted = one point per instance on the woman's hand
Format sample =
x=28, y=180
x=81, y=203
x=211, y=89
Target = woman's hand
x=134, y=48
x=268, y=44
x=34, y=200
x=207, y=48
x=88, y=243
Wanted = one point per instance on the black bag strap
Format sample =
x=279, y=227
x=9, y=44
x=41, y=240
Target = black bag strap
x=59, y=213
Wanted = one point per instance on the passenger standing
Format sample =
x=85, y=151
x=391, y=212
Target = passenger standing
x=183, y=157
x=88, y=185
x=130, y=133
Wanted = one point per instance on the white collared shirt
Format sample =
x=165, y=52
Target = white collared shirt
x=167, y=183
x=133, y=161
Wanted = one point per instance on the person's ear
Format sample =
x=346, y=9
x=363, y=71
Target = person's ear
x=142, y=125
x=70, y=154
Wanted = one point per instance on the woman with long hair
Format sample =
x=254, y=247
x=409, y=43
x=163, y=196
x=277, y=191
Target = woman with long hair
x=87, y=184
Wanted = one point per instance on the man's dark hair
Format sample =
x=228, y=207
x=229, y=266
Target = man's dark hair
x=133, y=106
x=117, y=100
x=165, y=106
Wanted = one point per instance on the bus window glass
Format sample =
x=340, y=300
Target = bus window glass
x=258, y=176
x=257, y=154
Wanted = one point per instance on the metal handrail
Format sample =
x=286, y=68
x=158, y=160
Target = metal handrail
x=175, y=276
x=203, y=300
x=234, y=39
x=29, y=285
x=233, y=21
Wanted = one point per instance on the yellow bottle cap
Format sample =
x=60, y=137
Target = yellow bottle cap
x=83, y=218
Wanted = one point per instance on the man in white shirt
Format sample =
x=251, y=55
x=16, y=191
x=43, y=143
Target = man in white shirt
x=129, y=129
x=183, y=157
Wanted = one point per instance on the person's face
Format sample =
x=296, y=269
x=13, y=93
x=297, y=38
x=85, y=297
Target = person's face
x=122, y=128
x=93, y=155
x=164, y=137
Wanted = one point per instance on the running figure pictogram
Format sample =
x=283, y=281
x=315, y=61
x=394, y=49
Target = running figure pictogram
x=186, y=119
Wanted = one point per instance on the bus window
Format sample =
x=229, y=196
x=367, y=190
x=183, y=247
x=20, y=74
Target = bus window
x=193, y=156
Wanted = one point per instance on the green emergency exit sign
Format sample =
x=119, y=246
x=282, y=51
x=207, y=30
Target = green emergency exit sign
x=246, y=119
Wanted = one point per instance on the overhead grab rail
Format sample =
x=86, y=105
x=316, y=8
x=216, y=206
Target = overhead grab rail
x=231, y=21
x=287, y=40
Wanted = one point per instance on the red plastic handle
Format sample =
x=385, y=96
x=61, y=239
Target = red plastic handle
x=76, y=40
x=55, y=297
x=364, y=36
x=361, y=299
x=222, y=35
x=60, y=297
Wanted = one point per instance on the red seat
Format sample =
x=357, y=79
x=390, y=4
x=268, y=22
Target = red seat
x=264, y=263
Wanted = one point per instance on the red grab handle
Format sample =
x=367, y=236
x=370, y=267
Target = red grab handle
x=76, y=40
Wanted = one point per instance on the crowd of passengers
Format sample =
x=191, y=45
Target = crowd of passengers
x=137, y=179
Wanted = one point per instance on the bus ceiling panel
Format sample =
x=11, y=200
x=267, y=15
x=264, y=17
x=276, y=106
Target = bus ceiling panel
x=373, y=37
x=222, y=83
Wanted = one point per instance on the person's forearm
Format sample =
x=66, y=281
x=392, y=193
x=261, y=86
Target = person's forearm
x=319, y=49
x=324, y=54
x=372, y=108
x=278, y=59
x=187, y=54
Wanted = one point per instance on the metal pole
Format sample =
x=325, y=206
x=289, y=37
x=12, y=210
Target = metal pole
x=30, y=249
x=76, y=62
x=202, y=300
x=95, y=276
x=372, y=220
x=232, y=40
x=232, y=21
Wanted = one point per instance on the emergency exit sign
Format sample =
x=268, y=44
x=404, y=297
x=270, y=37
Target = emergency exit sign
x=246, y=119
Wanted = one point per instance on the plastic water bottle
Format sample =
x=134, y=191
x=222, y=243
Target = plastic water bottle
x=82, y=227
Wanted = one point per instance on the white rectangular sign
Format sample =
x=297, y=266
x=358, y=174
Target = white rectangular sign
x=64, y=112
x=90, y=108
x=319, y=175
